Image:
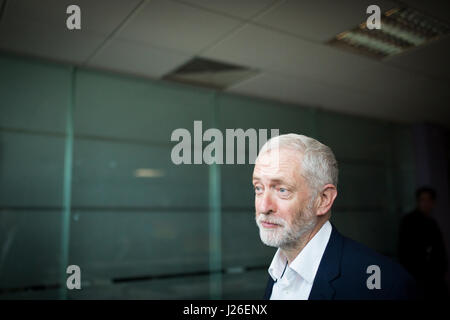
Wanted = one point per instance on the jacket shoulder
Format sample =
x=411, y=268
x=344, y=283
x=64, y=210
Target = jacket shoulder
x=361, y=265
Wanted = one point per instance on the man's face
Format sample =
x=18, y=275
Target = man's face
x=284, y=212
x=426, y=203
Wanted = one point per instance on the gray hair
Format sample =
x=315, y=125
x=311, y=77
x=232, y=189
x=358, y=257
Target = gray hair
x=319, y=163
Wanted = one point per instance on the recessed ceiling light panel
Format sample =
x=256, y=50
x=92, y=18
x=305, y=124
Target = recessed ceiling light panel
x=401, y=29
x=210, y=73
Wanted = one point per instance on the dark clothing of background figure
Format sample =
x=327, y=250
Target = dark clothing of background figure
x=342, y=274
x=422, y=253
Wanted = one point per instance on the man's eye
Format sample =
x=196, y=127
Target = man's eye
x=283, y=190
x=258, y=189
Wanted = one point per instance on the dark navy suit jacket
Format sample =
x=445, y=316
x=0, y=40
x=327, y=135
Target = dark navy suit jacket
x=342, y=274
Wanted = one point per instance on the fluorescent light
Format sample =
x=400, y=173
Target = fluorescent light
x=148, y=173
x=401, y=29
x=374, y=43
x=403, y=34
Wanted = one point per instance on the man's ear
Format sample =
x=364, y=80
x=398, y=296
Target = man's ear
x=326, y=199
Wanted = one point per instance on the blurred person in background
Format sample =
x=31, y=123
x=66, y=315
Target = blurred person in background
x=421, y=247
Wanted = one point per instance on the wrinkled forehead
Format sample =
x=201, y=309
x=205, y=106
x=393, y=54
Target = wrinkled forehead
x=279, y=162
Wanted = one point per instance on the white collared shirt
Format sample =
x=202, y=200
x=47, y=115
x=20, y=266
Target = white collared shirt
x=295, y=281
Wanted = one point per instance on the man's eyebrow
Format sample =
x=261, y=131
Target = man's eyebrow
x=278, y=180
x=274, y=179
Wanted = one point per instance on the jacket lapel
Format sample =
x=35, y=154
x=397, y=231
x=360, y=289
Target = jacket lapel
x=329, y=268
x=269, y=288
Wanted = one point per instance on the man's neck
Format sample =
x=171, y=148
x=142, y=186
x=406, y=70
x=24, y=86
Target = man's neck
x=292, y=252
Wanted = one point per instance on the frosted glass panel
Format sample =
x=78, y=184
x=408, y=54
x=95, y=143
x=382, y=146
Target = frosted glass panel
x=356, y=137
x=34, y=96
x=31, y=170
x=129, y=108
x=241, y=243
x=108, y=173
x=127, y=244
x=30, y=248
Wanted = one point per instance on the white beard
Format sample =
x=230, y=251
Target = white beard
x=286, y=235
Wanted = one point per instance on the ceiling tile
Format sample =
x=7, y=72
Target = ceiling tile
x=273, y=51
x=177, y=26
x=258, y=47
x=238, y=8
x=281, y=88
x=100, y=16
x=431, y=59
x=137, y=58
x=43, y=40
x=307, y=92
x=319, y=20
x=39, y=27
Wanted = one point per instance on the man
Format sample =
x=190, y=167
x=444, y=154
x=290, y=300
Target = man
x=295, y=181
x=421, y=247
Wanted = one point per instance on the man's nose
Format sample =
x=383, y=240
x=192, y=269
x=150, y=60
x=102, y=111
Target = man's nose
x=266, y=204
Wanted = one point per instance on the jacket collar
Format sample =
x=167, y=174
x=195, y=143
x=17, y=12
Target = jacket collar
x=329, y=268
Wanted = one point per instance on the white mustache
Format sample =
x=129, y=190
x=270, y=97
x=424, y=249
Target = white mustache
x=273, y=220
